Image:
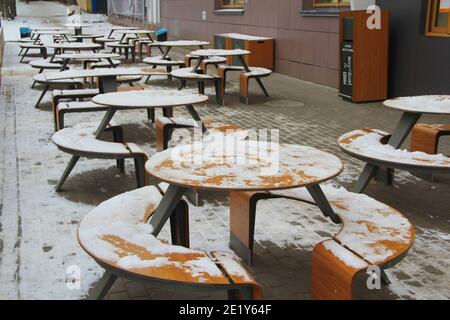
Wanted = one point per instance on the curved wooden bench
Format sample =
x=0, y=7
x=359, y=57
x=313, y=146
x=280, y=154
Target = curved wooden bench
x=370, y=145
x=372, y=234
x=45, y=64
x=255, y=73
x=186, y=74
x=165, y=127
x=29, y=46
x=119, y=238
x=80, y=141
x=157, y=61
x=70, y=84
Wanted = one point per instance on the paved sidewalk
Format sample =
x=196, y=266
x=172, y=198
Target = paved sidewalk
x=38, y=243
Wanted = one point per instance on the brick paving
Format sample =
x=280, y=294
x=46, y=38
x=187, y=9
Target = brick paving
x=38, y=226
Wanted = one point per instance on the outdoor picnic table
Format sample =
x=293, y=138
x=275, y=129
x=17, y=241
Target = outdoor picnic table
x=168, y=45
x=244, y=166
x=136, y=33
x=413, y=108
x=68, y=57
x=145, y=100
x=117, y=28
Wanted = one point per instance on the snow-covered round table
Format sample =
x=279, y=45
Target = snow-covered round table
x=413, y=108
x=236, y=165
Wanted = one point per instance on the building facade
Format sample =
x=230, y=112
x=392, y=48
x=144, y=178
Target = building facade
x=306, y=31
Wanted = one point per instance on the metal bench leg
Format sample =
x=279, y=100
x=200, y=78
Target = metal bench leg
x=182, y=84
x=166, y=208
x=118, y=138
x=139, y=165
x=102, y=287
x=151, y=115
x=218, y=87
x=179, y=225
x=233, y=294
x=263, y=88
x=42, y=95
x=73, y=161
x=167, y=112
x=201, y=87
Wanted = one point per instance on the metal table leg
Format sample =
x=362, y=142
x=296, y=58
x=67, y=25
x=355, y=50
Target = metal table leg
x=73, y=161
x=166, y=207
x=166, y=53
x=105, y=121
x=322, y=202
x=102, y=287
x=196, y=116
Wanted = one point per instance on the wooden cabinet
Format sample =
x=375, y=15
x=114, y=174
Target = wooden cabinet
x=363, y=56
x=261, y=48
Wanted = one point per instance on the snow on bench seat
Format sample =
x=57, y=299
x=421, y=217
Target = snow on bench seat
x=45, y=64
x=374, y=231
x=258, y=72
x=77, y=106
x=157, y=60
x=186, y=73
x=81, y=139
x=117, y=234
x=370, y=145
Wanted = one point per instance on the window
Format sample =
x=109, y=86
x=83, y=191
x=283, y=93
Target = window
x=232, y=4
x=438, y=18
x=331, y=3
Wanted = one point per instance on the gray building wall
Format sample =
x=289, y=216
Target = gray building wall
x=306, y=47
x=418, y=64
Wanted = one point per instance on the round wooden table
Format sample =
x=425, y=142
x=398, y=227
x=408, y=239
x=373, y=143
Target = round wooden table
x=241, y=166
x=168, y=45
x=413, y=108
